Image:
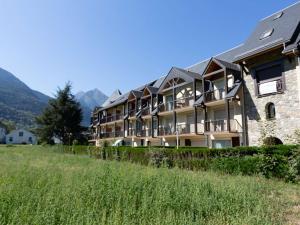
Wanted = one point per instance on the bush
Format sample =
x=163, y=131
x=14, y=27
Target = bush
x=278, y=161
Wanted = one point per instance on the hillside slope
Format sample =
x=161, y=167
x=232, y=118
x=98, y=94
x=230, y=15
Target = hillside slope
x=18, y=102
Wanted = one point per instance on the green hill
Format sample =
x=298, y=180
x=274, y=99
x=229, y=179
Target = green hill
x=19, y=103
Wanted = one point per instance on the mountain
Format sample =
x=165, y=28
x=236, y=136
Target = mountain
x=89, y=100
x=19, y=103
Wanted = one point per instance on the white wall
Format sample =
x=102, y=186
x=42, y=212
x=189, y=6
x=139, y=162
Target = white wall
x=17, y=139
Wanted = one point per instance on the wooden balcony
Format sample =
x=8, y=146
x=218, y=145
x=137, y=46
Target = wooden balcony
x=146, y=111
x=132, y=113
x=116, y=134
x=111, y=118
x=166, y=107
x=189, y=128
x=165, y=131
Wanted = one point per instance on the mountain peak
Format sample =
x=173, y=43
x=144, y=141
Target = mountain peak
x=88, y=101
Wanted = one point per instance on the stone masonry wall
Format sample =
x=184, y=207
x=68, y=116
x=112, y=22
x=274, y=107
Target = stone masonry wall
x=287, y=107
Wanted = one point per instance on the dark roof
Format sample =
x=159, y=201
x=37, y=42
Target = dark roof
x=123, y=98
x=228, y=65
x=234, y=90
x=114, y=96
x=153, y=90
x=228, y=56
x=159, y=81
x=285, y=29
x=137, y=94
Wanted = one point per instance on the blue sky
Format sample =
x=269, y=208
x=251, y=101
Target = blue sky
x=109, y=44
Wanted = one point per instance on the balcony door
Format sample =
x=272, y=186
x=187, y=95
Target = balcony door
x=169, y=102
x=218, y=86
x=219, y=124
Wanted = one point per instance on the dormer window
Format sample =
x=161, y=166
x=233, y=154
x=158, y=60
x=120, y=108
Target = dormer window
x=278, y=15
x=266, y=34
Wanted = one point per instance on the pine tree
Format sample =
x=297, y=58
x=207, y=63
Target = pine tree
x=61, y=118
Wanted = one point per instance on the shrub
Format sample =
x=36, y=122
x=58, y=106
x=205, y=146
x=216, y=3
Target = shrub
x=279, y=161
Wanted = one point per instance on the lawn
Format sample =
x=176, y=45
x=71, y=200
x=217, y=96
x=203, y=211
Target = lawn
x=41, y=186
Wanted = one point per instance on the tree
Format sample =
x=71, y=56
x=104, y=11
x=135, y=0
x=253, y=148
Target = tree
x=61, y=118
x=8, y=125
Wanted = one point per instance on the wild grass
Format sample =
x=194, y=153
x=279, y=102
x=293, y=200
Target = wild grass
x=41, y=186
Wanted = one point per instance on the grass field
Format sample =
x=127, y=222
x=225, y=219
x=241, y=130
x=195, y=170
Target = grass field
x=41, y=186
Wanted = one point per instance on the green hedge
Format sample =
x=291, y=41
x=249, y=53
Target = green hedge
x=280, y=161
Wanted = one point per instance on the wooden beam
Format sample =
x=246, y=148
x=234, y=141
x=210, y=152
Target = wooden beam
x=213, y=73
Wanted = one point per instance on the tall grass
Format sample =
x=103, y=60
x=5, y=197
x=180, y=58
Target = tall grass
x=44, y=187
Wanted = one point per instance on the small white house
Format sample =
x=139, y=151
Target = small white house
x=21, y=137
x=2, y=135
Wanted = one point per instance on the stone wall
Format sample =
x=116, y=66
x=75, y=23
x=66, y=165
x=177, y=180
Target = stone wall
x=287, y=106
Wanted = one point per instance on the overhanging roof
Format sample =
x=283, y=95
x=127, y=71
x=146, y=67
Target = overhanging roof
x=284, y=30
x=234, y=90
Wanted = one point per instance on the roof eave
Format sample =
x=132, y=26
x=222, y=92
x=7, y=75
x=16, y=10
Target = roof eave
x=257, y=52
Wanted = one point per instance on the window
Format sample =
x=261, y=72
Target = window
x=221, y=143
x=270, y=111
x=30, y=139
x=11, y=139
x=21, y=134
x=269, y=79
x=266, y=34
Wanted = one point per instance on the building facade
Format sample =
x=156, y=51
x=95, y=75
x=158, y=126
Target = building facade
x=21, y=137
x=239, y=97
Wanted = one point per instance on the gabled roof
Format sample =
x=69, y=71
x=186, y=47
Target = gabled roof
x=123, y=98
x=152, y=90
x=114, y=96
x=176, y=72
x=137, y=94
x=281, y=27
x=222, y=64
x=228, y=56
x=228, y=65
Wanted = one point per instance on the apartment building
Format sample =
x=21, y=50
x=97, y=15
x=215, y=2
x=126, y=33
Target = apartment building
x=236, y=98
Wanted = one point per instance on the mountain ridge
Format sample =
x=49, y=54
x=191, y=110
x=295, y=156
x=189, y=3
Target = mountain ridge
x=88, y=101
x=18, y=102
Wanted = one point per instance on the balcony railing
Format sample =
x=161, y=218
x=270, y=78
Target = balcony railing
x=119, y=133
x=189, y=128
x=215, y=95
x=112, y=134
x=222, y=126
x=184, y=102
x=131, y=132
x=146, y=133
x=146, y=111
x=270, y=87
x=111, y=118
x=132, y=112
x=164, y=131
x=165, y=107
